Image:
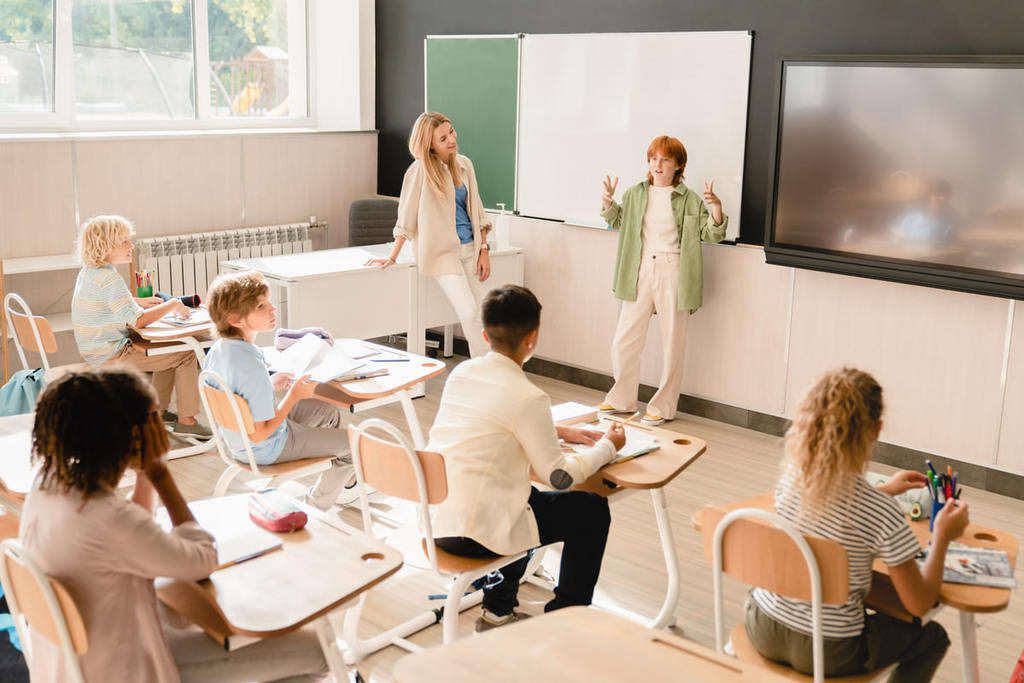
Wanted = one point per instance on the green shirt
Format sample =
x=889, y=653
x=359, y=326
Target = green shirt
x=693, y=220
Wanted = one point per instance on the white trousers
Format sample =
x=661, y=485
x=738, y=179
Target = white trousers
x=465, y=292
x=656, y=292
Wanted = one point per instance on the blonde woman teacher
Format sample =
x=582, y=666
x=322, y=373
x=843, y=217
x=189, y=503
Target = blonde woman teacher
x=441, y=213
x=658, y=270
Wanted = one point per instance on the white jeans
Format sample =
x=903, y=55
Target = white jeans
x=465, y=292
x=656, y=292
x=294, y=657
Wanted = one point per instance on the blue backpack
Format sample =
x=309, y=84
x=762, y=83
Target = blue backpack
x=19, y=395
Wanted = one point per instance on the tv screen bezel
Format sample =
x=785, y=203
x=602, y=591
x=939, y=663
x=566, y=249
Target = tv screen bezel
x=957, y=278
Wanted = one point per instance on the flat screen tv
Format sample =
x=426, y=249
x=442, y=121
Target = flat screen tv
x=899, y=169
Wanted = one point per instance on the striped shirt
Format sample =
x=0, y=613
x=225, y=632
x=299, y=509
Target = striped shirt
x=870, y=525
x=101, y=310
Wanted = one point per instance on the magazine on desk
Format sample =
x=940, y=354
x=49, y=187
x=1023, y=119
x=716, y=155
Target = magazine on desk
x=977, y=566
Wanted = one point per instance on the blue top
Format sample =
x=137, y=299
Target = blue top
x=244, y=370
x=463, y=226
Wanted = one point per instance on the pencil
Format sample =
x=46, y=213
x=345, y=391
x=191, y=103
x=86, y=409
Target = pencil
x=629, y=419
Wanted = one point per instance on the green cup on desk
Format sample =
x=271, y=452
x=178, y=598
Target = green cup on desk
x=143, y=292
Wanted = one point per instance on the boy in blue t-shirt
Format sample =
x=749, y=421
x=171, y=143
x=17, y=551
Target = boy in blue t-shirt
x=298, y=426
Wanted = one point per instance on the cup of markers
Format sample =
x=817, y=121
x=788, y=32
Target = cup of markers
x=942, y=488
x=143, y=283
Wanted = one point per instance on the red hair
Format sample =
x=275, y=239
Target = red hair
x=669, y=147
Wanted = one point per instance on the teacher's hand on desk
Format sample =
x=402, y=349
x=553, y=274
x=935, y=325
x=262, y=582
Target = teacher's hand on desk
x=381, y=262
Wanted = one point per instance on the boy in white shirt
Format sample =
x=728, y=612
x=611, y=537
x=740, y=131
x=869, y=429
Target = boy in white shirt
x=492, y=426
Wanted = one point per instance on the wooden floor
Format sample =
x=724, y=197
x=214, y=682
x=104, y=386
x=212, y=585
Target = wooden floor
x=738, y=463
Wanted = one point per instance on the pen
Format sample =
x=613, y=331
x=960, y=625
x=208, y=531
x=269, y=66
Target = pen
x=389, y=360
x=628, y=420
x=929, y=462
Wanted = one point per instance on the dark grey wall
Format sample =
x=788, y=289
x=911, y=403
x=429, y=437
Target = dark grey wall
x=782, y=28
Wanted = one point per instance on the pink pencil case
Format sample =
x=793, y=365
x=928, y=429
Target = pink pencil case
x=275, y=512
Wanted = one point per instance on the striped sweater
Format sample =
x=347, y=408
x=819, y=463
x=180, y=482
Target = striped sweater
x=101, y=310
x=869, y=524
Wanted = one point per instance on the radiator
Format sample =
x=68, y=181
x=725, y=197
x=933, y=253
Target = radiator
x=187, y=264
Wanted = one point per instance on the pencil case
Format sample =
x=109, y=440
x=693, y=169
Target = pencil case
x=284, y=338
x=273, y=511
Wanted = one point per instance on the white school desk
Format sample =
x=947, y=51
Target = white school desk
x=405, y=372
x=334, y=290
x=575, y=644
x=654, y=471
x=317, y=569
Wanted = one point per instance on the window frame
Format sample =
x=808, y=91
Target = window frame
x=63, y=120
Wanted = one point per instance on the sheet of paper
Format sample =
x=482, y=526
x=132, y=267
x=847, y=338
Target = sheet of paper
x=237, y=539
x=301, y=356
x=200, y=316
x=638, y=441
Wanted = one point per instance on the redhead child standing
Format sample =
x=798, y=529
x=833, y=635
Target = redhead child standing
x=658, y=270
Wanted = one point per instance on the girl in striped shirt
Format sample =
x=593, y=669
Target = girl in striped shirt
x=823, y=491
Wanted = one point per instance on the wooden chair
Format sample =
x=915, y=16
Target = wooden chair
x=225, y=410
x=761, y=549
x=396, y=469
x=33, y=333
x=44, y=604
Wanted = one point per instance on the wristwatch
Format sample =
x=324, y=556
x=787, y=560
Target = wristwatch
x=484, y=245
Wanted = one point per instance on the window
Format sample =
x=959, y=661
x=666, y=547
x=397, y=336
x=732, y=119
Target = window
x=152, y=64
x=26, y=56
x=133, y=59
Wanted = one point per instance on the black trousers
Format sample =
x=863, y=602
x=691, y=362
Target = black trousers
x=578, y=519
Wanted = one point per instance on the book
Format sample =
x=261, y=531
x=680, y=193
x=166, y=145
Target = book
x=312, y=356
x=638, y=442
x=977, y=566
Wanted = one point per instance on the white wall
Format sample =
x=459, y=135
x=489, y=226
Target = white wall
x=765, y=332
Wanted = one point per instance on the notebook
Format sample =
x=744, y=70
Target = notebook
x=237, y=539
x=638, y=441
x=312, y=356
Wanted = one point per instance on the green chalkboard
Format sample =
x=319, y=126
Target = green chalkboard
x=473, y=80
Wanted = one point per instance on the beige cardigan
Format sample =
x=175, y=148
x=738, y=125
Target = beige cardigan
x=429, y=222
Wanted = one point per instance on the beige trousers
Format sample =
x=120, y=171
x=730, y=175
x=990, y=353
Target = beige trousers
x=656, y=289
x=466, y=293
x=178, y=371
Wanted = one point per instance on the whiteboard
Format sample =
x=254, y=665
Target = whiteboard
x=590, y=104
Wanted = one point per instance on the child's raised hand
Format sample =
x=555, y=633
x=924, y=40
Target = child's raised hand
x=710, y=198
x=609, y=190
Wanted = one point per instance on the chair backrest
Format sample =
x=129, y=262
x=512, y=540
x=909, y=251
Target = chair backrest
x=226, y=410
x=44, y=604
x=371, y=221
x=395, y=468
x=762, y=555
x=762, y=549
x=31, y=332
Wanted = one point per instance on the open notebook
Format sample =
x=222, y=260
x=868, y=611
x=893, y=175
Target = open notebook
x=312, y=356
x=639, y=441
x=237, y=538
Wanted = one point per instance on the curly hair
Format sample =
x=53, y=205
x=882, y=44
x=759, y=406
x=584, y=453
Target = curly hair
x=835, y=428
x=234, y=293
x=87, y=428
x=99, y=236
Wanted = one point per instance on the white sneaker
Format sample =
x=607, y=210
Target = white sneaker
x=337, y=485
